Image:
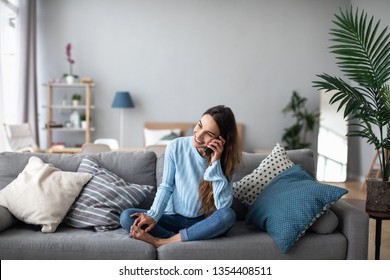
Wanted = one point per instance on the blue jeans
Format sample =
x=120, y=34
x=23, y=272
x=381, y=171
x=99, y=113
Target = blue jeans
x=190, y=229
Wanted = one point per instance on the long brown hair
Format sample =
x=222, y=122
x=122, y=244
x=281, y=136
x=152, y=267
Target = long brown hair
x=230, y=158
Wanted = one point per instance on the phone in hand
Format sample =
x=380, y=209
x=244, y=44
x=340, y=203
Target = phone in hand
x=207, y=151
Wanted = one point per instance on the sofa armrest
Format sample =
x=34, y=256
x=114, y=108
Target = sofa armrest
x=353, y=224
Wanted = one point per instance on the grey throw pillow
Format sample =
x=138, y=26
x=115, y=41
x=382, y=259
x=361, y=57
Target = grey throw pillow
x=325, y=224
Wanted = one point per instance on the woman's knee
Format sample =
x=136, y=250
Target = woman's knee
x=226, y=216
x=125, y=218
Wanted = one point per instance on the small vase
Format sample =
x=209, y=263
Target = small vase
x=378, y=196
x=75, y=119
x=75, y=102
x=69, y=79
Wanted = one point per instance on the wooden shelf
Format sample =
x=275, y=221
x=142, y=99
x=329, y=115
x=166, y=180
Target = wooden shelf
x=50, y=107
x=68, y=107
x=74, y=85
x=66, y=129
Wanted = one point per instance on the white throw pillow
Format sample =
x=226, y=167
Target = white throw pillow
x=249, y=187
x=160, y=136
x=42, y=194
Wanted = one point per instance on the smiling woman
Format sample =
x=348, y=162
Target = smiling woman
x=194, y=198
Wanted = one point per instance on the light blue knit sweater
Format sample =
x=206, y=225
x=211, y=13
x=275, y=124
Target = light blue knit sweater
x=183, y=170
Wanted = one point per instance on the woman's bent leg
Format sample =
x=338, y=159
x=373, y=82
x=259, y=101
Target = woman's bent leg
x=216, y=224
x=127, y=221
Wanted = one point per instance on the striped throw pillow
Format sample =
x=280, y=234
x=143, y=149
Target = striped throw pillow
x=104, y=198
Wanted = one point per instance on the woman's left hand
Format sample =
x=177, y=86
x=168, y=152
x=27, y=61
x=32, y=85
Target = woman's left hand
x=217, y=146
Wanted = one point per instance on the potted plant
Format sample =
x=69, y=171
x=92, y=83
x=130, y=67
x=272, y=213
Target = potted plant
x=363, y=55
x=295, y=137
x=83, y=119
x=76, y=98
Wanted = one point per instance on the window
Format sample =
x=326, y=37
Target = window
x=332, y=142
x=8, y=60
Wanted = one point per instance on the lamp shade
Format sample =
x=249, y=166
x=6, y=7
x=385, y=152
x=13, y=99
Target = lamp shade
x=122, y=100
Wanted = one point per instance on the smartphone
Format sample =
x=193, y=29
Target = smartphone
x=207, y=151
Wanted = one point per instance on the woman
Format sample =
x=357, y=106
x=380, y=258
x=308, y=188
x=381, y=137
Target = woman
x=194, y=198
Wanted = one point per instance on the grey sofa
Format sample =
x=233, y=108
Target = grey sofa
x=22, y=241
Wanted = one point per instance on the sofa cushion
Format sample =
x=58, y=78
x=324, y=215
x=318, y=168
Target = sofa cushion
x=136, y=167
x=104, y=198
x=247, y=242
x=13, y=163
x=6, y=218
x=250, y=161
x=42, y=194
x=290, y=204
x=147, y=203
x=249, y=187
x=67, y=243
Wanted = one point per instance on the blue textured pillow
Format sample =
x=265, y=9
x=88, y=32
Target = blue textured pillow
x=104, y=198
x=290, y=204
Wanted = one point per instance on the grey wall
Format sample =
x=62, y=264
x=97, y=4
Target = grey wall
x=179, y=57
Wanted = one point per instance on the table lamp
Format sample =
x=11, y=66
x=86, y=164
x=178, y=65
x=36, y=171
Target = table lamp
x=122, y=101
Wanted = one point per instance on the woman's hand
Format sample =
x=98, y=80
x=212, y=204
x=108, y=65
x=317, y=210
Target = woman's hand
x=142, y=220
x=217, y=146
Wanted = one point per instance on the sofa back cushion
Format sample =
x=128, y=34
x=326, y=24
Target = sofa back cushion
x=250, y=161
x=134, y=167
x=148, y=201
x=13, y=163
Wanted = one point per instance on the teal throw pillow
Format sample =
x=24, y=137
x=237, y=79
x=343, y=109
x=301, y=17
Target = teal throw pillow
x=290, y=204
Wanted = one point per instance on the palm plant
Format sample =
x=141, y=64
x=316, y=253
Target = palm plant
x=363, y=56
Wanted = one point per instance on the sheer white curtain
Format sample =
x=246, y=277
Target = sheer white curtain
x=2, y=137
x=8, y=66
x=18, y=88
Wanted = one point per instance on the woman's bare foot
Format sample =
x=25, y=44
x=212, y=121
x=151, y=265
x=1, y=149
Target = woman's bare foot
x=140, y=234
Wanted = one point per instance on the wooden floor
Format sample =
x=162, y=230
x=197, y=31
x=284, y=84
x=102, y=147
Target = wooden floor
x=357, y=196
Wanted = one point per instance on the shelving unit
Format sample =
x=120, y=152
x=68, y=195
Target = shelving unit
x=53, y=109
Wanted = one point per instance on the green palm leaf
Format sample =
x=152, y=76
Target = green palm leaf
x=364, y=56
x=362, y=53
